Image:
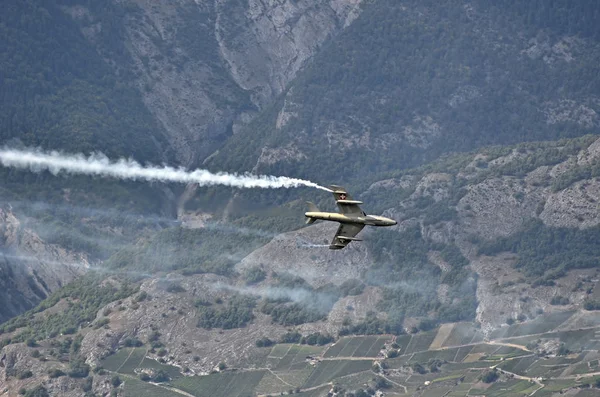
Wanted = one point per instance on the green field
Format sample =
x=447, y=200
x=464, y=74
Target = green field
x=420, y=342
x=512, y=387
x=296, y=378
x=542, y=324
x=403, y=341
x=358, y=346
x=576, y=340
x=173, y=372
x=424, y=357
x=458, y=376
x=370, y=347
x=227, y=384
x=326, y=371
x=484, y=348
x=137, y=388
x=271, y=384
x=318, y=392
x=518, y=366
x=462, y=353
x=437, y=392
x=127, y=360
x=461, y=334
x=294, y=357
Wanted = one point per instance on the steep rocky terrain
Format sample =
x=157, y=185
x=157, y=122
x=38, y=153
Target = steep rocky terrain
x=206, y=68
x=471, y=202
x=30, y=268
x=433, y=79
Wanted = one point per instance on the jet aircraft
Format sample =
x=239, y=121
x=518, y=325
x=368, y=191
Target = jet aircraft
x=351, y=218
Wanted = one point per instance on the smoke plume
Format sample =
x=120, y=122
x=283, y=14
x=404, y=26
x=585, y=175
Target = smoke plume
x=100, y=165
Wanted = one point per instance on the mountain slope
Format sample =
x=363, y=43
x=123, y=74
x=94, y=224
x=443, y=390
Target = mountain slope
x=30, y=268
x=204, y=69
x=409, y=81
x=505, y=235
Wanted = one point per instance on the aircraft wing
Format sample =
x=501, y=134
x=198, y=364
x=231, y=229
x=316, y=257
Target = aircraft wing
x=345, y=233
x=345, y=203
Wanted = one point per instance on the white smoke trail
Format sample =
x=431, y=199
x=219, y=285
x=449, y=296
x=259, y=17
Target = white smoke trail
x=319, y=301
x=81, y=266
x=99, y=164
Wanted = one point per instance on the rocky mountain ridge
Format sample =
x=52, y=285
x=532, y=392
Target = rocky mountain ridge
x=201, y=91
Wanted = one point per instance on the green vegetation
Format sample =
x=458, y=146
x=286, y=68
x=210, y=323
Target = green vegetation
x=136, y=388
x=327, y=371
x=426, y=65
x=125, y=360
x=236, y=313
x=85, y=297
x=206, y=250
x=490, y=376
x=264, y=342
x=228, y=384
x=410, y=281
x=293, y=357
x=38, y=391
x=542, y=249
x=308, y=304
x=359, y=346
x=58, y=92
x=128, y=360
x=255, y=275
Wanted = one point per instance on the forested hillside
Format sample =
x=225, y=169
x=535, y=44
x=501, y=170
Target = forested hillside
x=410, y=80
x=59, y=93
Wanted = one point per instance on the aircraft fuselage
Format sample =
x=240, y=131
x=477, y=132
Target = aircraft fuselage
x=371, y=220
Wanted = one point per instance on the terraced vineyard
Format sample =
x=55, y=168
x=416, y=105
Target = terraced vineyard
x=128, y=360
x=136, y=388
x=359, y=346
x=447, y=362
x=228, y=384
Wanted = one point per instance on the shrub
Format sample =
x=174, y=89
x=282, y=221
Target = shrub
x=55, y=373
x=264, y=342
x=490, y=376
x=25, y=374
x=115, y=381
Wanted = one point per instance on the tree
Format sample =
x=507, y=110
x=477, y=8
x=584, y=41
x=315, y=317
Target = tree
x=79, y=369
x=38, y=391
x=55, y=373
x=115, y=381
x=490, y=376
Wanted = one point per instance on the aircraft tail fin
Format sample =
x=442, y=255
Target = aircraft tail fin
x=311, y=208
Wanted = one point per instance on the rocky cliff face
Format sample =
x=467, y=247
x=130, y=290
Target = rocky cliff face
x=31, y=269
x=205, y=68
x=387, y=101
x=265, y=43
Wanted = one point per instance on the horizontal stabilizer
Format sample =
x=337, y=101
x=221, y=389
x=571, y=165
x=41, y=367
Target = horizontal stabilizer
x=336, y=246
x=310, y=221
